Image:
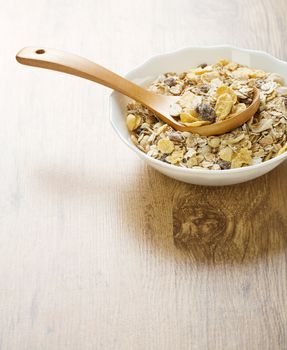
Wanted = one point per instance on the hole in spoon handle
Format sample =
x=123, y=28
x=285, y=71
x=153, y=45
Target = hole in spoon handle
x=40, y=51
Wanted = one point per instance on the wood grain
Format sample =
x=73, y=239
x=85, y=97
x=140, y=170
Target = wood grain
x=98, y=251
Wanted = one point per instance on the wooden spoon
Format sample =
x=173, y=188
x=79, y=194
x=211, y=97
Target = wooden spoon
x=159, y=104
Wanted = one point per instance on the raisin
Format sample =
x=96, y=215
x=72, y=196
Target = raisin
x=204, y=88
x=175, y=137
x=170, y=82
x=206, y=112
x=285, y=101
x=163, y=158
x=224, y=164
x=202, y=65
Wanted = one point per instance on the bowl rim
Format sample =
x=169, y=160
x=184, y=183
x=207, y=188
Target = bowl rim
x=183, y=169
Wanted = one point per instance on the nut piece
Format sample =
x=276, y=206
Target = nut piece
x=165, y=146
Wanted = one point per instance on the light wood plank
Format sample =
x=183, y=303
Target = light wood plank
x=98, y=251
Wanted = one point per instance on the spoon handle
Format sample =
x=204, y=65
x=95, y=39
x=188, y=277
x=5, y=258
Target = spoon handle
x=81, y=67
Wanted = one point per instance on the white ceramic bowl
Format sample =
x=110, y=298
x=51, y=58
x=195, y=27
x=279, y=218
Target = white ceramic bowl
x=180, y=61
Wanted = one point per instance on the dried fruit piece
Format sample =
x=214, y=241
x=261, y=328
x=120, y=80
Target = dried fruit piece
x=202, y=65
x=224, y=165
x=204, y=88
x=133, y=121
x=175, y=136
x=206, y=112
x=170, y=81
x=223, y=106
x=165, y=146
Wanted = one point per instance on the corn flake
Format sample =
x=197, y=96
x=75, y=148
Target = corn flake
x=223, y=89
x=133, y=121
x=198, y=123
x=187, y=118
x=165, y=146
x=175, y=157
x=223, y=106
x=226, y=154
x=237, y=109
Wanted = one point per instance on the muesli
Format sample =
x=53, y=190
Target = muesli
x=208, y=94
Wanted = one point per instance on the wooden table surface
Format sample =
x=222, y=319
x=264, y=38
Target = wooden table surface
x=99, y=251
